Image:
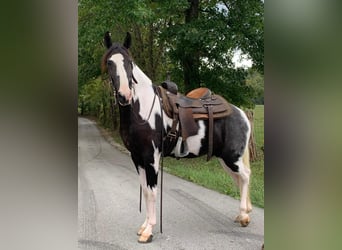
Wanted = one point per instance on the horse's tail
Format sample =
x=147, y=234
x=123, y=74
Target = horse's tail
x=245, y=157
x=246, y=154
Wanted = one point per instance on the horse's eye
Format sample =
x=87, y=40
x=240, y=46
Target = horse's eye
x=109, y=63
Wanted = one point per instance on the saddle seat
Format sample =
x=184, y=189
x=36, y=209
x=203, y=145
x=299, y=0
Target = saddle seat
x=199, y=93
x=197, y=102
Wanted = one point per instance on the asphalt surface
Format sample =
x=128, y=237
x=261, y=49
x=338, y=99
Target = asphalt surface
x=193, y=217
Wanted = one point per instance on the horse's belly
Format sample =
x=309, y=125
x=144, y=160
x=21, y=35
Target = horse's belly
x=194, y=142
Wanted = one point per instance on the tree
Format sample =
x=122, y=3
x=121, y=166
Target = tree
x=245, y=19
x=194, y=40
x=191, y=55
x=202, y=46
x=256, y=81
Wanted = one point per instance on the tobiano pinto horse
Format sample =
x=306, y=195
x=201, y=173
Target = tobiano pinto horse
x=143, y=123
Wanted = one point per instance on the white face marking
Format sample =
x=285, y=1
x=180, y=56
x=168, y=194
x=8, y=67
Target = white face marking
x=194, y=142
x=124, y=90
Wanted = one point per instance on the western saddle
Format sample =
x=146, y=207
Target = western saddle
x=198, y=104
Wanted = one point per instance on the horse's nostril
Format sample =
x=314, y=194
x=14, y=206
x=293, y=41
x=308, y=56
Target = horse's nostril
x=122, y=99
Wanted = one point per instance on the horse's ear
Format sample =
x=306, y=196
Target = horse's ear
x=107, y=40
x=128, y=41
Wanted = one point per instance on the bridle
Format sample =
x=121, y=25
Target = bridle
x=131, y=81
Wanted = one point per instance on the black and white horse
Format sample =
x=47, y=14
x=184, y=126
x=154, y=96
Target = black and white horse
x=142, y=121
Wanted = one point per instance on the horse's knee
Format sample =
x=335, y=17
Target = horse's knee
x=151, y=194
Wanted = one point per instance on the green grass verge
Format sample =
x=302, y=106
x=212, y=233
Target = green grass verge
x=211, y=175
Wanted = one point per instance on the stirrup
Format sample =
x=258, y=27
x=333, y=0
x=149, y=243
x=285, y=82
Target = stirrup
x=178, y=147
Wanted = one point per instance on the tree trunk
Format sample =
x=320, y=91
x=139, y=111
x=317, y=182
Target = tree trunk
x=151, y=67
x=251, y=145
x=191, y=59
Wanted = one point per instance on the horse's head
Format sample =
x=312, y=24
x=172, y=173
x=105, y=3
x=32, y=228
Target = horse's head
x=119, y=65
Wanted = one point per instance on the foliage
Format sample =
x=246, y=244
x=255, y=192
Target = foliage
x=256, y=82
x=95, y=100
x=245, y=19
x=163, y=41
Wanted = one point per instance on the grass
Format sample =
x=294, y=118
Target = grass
x=211, y=175
x=259, y=126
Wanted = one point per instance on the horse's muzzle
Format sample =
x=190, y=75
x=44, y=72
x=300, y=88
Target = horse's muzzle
x=122, y=100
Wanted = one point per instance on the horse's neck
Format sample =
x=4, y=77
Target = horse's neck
x=143, y=91
x=125, y=123
x=141, y=77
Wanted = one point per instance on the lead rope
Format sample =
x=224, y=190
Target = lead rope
x=140, y=199
x=162, y=160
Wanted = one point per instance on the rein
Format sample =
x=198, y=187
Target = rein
x=162, y=161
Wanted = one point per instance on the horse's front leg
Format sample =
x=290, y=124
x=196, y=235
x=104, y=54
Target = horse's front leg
x=146, y=230
x=149, y=179
x=142, y=177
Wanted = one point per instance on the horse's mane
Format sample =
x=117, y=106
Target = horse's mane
x=115, y=48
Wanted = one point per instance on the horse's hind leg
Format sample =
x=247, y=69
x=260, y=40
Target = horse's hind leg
x=241, y=179
x=246, y=165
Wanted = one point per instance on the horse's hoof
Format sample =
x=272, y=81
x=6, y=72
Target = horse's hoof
x=145, y=238
x=141, y=230
x=244, y=220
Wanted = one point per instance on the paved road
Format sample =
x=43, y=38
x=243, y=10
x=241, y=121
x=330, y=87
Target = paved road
x=193, y=217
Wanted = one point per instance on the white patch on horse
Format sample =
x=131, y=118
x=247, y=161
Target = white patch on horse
x=124, y=90
x=194, y=142
x=144, y=93
x=156, y=157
